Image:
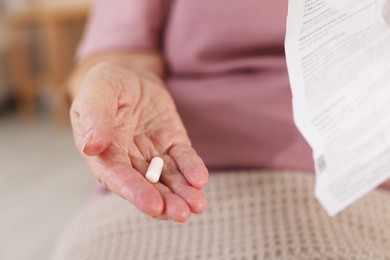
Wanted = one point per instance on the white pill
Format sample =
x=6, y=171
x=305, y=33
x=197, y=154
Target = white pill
x=154, y=170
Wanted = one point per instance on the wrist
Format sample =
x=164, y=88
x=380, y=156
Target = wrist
x=147, y=64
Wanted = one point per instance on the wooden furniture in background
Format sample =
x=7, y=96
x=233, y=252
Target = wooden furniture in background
x=59, y=30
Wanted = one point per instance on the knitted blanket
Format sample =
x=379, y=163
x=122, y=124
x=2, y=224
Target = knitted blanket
x=251, y=215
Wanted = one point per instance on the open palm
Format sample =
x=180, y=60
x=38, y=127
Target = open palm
x=121, y=120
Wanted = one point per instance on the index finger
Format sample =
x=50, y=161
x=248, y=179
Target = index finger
x=113, y=168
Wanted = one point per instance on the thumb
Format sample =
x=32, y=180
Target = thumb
x=98, y=135
x=97, y=111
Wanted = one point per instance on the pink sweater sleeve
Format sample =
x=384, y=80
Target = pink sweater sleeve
x=122, y=25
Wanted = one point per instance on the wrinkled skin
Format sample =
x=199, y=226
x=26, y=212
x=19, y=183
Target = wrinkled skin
x=121, y=119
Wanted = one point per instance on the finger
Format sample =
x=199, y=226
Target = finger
x=113, y=168
x=190, y=165
x=176, y=182
x=175, y=207
x=94, y=110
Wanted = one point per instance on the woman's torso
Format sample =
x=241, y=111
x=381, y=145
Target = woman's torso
x=229, y=79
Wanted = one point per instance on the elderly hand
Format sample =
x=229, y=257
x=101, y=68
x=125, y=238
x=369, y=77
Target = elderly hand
x=122, y=119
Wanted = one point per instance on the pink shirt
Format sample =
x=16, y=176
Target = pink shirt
x=227, y=73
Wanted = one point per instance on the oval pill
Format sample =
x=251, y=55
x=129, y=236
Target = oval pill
x=154, y=170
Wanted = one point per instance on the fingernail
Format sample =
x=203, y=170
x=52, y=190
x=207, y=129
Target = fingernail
x=88, y=138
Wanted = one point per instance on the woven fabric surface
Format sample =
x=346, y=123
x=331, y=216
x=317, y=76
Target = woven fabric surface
x=251, y=215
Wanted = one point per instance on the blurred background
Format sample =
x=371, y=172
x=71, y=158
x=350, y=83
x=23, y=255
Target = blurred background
x=43, y=181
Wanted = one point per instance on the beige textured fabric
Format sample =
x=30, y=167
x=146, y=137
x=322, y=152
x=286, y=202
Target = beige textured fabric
x=251, y=215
